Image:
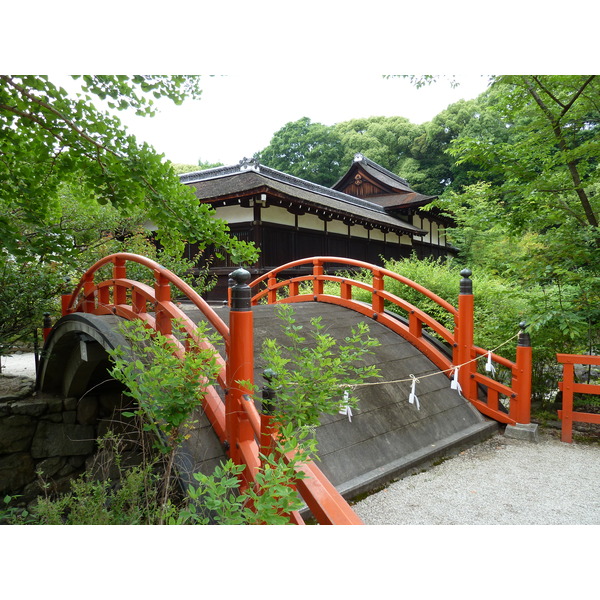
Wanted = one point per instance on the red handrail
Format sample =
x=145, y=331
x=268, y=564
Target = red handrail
x=321, y=260
x=464, y=352
x=162, y=275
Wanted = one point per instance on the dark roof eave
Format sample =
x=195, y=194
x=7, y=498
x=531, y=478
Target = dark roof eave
x=344, y=216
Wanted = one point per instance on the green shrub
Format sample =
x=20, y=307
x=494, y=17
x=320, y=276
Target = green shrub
x=311, y=371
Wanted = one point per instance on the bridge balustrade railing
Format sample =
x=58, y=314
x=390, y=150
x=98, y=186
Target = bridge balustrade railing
x=131, y=299
x=281, y=286
x=569, y=388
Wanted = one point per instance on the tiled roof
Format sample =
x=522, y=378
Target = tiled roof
x=399, y=195
x=249, y=175
x=379, y=172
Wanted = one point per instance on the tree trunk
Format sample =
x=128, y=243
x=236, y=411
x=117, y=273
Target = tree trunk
x=562, y=144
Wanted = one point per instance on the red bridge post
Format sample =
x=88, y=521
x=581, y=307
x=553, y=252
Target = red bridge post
x=463, y=353
x=88, y=291
x=162, y=293
x=120, y=272
x=240, y=364
x=65, y=301
x=522, y=387
x=317, y=282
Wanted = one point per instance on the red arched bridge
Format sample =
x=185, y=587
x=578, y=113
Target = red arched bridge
x=388, y=436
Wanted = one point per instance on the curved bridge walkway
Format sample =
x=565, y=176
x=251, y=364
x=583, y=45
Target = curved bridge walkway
x=386, y=436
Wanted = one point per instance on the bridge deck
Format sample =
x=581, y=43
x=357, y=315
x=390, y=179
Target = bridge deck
x=387, y=436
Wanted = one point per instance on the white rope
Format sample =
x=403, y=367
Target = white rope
x=442, y=372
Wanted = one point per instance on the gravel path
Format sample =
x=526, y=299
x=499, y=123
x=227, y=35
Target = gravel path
x=19, y=363
x=501, y=481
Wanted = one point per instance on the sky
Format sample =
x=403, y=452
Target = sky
x=284, y=61
x=238, y=114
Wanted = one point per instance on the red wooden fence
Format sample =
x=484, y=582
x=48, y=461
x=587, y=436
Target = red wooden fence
x=569, y=388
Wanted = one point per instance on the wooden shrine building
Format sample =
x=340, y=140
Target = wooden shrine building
x=368, y=214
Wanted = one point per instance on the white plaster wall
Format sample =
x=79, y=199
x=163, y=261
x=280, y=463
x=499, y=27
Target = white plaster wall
x=425, y=225
x=377, y=234
x=309, y=221
x=435, y=236
x=277, y=214
x=336, y=226
x=235, y=214
x=359, y=231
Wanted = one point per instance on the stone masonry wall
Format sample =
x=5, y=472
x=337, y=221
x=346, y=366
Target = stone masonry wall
x=47, y=435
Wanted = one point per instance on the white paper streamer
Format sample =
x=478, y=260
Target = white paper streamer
x=454, y=383
x=489, y=367
x=345, y=407
x=412, y=397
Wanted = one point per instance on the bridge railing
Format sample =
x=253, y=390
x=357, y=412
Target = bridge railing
x=240, y=427
x=568, y=387
x=132, y=299
x=282, y=285
x=120, y=295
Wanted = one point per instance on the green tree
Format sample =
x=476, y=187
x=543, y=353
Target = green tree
x=385, y=140
x=185, y=168
x=31, y=284
x=308, y=150
x=548, y=164
x=467, y=118
x=75, y=185
x=545, y=191
x=525, y=199
x=322, y=153
x=80, y=234
x=50, y=139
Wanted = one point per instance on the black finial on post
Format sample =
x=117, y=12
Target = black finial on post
x=47, y=321
x=241, y=294
x=268, y=393
x=466, y=285
x=524, y=339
